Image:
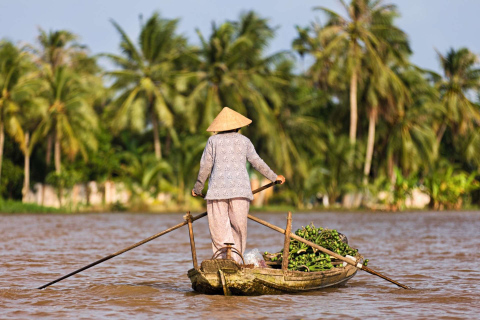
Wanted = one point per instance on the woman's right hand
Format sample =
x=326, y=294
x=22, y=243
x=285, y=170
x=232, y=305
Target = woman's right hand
x=281, y=179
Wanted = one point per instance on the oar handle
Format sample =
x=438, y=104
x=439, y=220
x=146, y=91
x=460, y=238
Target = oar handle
x=256, y=190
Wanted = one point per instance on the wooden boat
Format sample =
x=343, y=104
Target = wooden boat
x=225, y=276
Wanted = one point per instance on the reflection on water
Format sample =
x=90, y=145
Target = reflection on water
x=436, y=253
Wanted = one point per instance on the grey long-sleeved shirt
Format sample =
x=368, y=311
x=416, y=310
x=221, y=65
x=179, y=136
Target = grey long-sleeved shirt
x=224, y=159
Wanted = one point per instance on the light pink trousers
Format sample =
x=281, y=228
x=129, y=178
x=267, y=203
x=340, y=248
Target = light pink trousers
x=227, y=221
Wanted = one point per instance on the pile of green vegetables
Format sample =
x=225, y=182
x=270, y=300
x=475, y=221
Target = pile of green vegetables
x=302, y=257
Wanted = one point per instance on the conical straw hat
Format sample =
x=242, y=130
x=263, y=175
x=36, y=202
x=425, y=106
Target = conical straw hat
x=228, y=119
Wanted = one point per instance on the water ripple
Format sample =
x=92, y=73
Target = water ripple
x=435, y=253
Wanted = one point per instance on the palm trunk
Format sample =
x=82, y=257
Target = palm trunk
x=441, y=132
x=48, y=157
x=26, y=170
x=2, y=142
x=57, y=155
x=58, y=166
x=372, y=119
x=156, y=137
x=392, y=177
x=391, y=166
x=353, y=107
x=87, y=193
x=48, y=161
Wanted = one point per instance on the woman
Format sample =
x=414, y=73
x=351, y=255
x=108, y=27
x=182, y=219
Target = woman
x=229, y=192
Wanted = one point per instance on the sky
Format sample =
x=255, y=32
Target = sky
x=430, y=24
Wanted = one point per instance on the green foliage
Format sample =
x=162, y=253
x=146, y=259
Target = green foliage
x=55, y=46
x=184, y=162
x=64, y=179
x=15, y=91
x=12, y=177
x=302, y=257
x=104, y=163
x=461, y=75
x=449, y=188
x=403, y=187
x=336, y=170
x=118, y=207
x=142, y=173
x=70, y=118
x=397, y=190
x=11, y=206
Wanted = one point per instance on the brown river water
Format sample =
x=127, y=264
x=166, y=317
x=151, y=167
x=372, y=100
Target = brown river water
x=436, y=253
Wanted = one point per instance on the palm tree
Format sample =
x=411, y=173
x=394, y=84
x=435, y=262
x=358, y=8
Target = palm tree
x=383, y=88
x=144, y=80
x=301, y=117
x=13, y=91
x=461, y=77
x=469, y=150
x=409, y=136
x=56, y=52
x=185, y=165
x=70, y=118
x=233, y=72
x=303, y=44
x=331, y=171
x=56, y=48
x=326, y=72
x=353, y=39
x=33, y=110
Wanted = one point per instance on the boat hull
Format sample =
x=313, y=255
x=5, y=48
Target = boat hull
x=227, y=277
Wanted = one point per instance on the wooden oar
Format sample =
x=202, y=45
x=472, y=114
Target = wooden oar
x=124, y=250
x=256, y=190
x=333, y=254
x=142, y=242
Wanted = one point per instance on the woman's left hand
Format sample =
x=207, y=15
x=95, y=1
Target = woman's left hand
x=281, y=179
x=193, y=193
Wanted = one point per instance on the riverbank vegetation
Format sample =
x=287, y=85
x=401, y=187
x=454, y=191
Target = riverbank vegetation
x=12, y=206
x=359, y=121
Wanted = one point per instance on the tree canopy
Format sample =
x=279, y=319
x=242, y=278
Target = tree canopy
x=358, y=120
